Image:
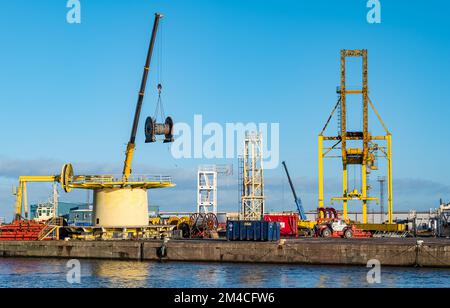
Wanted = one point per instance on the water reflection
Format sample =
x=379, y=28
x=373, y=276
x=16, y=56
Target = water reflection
x=115, y=272
x=322, y=281
x=105, y=273
x=345, y=282
x=212, y=275
x=11, y=266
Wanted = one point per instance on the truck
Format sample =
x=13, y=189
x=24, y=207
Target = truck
x=330, y=225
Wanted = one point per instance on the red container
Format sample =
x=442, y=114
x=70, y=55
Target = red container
x=288, y=223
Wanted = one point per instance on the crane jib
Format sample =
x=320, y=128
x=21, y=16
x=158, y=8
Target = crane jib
x=144, y=79
x=298, y=201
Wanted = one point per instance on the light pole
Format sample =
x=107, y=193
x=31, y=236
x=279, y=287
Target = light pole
x=382, y=181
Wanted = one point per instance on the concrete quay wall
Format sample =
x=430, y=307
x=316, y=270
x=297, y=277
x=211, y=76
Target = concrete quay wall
x=390, y=252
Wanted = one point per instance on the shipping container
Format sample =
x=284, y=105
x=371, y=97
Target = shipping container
x=288, y=223
x=253, y=231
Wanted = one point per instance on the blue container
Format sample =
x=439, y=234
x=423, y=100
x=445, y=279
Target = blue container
x=253, y=231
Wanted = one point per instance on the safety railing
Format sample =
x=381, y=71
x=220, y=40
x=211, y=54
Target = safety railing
x=84, y=179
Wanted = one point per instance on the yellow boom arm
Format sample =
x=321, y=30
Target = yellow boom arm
x=131, y=144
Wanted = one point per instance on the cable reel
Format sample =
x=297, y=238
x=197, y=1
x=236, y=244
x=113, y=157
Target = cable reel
x=153, y=128
x=66, y=177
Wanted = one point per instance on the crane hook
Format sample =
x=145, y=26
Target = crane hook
x=159, y=88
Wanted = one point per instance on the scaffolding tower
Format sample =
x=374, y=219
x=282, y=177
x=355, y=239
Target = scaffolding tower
x=252, y=177
x=365, y=153
x=207, y=186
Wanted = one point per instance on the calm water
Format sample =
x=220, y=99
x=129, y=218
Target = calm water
x=99, y=273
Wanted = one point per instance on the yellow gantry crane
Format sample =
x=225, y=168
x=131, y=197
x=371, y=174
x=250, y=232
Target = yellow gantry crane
x=365, y=152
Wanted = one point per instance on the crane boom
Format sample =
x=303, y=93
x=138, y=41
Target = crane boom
x=298, y=201
x=131, y=144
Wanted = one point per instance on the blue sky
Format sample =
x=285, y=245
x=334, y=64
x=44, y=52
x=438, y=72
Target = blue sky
x=68, y=91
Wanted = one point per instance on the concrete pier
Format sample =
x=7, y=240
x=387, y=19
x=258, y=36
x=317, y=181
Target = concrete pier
x=390, y=252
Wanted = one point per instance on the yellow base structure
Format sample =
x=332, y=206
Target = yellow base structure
x=116, y=233
x=117, y=202
x=120, y=207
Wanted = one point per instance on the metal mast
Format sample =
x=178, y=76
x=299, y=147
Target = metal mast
x=253, y=178
x=55, y=200
x=382, y=180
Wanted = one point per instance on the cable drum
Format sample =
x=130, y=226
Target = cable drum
x=202, y=224
x=153, y=129
x=66, y=176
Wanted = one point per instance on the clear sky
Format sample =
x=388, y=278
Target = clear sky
x=68, y=91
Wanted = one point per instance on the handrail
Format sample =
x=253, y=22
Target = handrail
x=81, y=179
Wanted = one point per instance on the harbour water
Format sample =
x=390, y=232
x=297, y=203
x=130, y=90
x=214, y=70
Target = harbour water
x=36, y=272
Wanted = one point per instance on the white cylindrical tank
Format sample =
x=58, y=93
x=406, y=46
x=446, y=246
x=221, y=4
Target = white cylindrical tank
x=120, y=207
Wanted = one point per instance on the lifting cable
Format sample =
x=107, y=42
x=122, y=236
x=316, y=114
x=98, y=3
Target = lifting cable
x=159, y=106
x=159, y=110
x=159, y=115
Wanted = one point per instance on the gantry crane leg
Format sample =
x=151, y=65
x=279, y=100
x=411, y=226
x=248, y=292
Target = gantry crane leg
x=344, y=193
x=389, y=180
x=320, y=175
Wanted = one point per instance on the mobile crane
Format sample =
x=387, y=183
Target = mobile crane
x=328, y=223
x=303, y=223
x=151, y=127
x=297, y=200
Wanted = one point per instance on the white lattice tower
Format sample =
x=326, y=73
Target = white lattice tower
x=253, y=178
x=207, y=186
